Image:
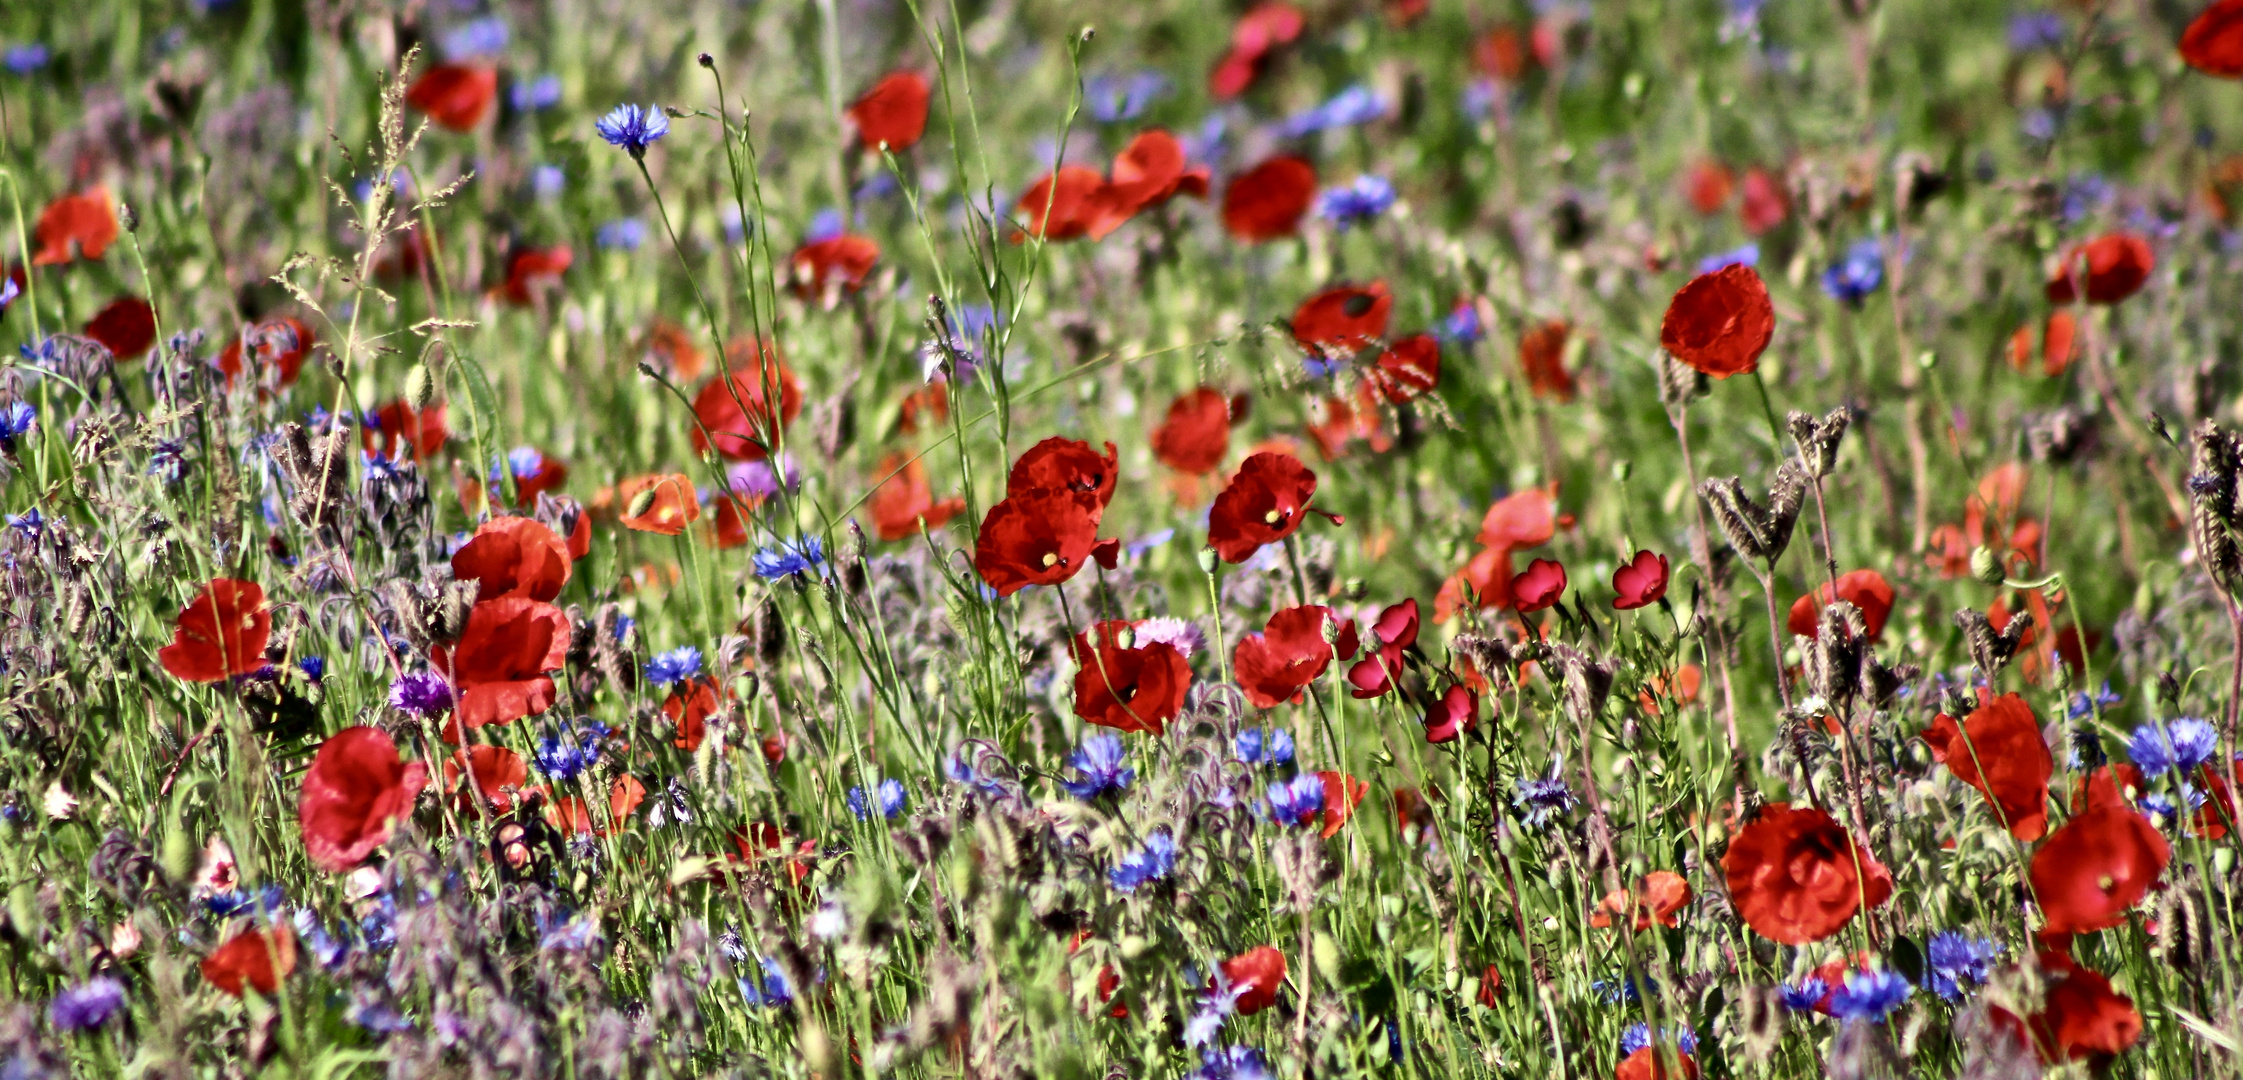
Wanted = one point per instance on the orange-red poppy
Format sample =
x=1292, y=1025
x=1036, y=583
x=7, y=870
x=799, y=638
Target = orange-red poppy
x=1062, y=205
x=1257, y=975
x=1126, y=684
x=531, y=271
x=2213, y=42
x=841, y=261
x=2118, y=265
x=894, y=111
x=1268, y=201
x=126, y=326
x=1765, y=205
x=1262, y=29
x=221, y=633
x=689, y=707
x=394, y=428
x=1408, y=368
x=2100, y=863
x=1708, y=185
x=502, y=663
x=1043, y=537
x=738, y=415
x=455, y=96
x=82, y=225
x=253, y=960
x=279, y=346
x=1542, y=359
x=1864, y=589
x=1659, y=897
x=498, y=774
x=1720, y=322
x=1792, y=875
x=905, y=501
x=513, y=556
x=1998, y=749
x=1196, y=434
x=353, y=794
x=1263, y=504
x=663, y=504
x=1277, y=663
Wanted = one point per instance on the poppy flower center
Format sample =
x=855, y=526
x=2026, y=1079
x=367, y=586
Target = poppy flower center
x=1356, y=305
x=1051, y=558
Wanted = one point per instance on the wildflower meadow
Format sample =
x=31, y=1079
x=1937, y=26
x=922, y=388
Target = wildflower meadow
x=1212, y=539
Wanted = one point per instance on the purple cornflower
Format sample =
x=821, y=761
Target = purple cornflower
x=1748, y=255
x=564, y=755
x=536, y=95
x=1804, y=995
x=1263, y=746
x=88, y=1005
x=1153, y=862
x=1232, y=1063
x=421, y=694
x=1870, y=995
x=633, y=127
x=1463, y=324
x=471, y=40
x=25, y=59
x=1857, y=273
x=675, y=666
x=1355, y=203
x=622, y=234
x=1350, y=107
x=2182, y=745
x=757, y=480
x=1638, y=1035
x=773, y=991
x=787, y=560
x=1298, y=802
x=2036, y=30
x=17, y=418
x=1954, y=961
x=1539, y=801
x=1099, y=760
x=893, y=799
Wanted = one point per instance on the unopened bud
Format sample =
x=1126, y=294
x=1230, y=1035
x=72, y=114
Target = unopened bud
x=1985, y=566
x=1622, y=469
x=708, y=61
x=126, y=218
x=1207, y=560
x=1331, y=630
x=420, y=388
x=641, y=503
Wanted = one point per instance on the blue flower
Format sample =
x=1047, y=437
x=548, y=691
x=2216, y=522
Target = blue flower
x=228, y=904
x=1350, y=107
x=168, y=459
x=2083, y=706
x=1621, y=991
x=773, y=991
x=1232, y=1063
x=825, y=225
x=2036, y=30
x=31, y=523
x=525, y=462
x=2039, y=125
x=1540, y=801
x=1857, y=273
x=1804, y=995
x=894, y=800
x=622, y=234
x=565, y=755
x=633, y=127
x=326, y=949
x=1954, y=961
x=1153, y=862
x=567, y=934
x=482, y=37
x=675, y=666
x=959, y=768
x=17, y=418
x=1638, y=1035
x=787, y=560
x=1870, y=995
x=1355, y=203
x=1113, y=98
x=420, y=694
x=1748, y=255
x=1479, y=98
x=313, y=667
x=547, y=181
x=88, y=1005
x=2180, y=745
x=1263, y=746
x=25, y=59
x=536, y=95
x=8, y=293
x=1099, y=760
x=1463, y=324
x=1297, y=802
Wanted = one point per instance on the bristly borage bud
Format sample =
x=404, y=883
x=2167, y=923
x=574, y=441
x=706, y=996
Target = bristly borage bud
x=769, y=632
x=420, y=388
x=1818, y=439
x=852, y=560
x=1834, y=656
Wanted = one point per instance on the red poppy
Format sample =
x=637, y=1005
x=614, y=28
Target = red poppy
x=1063, y=464
x=278, y=345
x=2100, y=863
x=2108, y=785
x=931, y=401
x=353, y=792
x=1343, y=319
x=1197, y=433
x=1456, y=713
x=1523, y=519
x=739, y=417
x=842, y=261
x=1641, y=583
x=1538, y=586
x=1257, y=975
x=663, y=504
x=455, y=96
x=1658, y=897
x=1126, y=684
x=1274, y=665
x=1708, y=185
x=513, y=556
x=501, y=662
x=732, y=525
x=1864, y=589
x=2213, y=42
x=1500, y=54
x=127, y=326
x=1257, y=32
x=1148, y=172
x=550, y=473
x=1043, y=537
x=1408, y=368
x=1681, y=685
x=497, y=771
x=531, y=271
x=1395, y=631
x=254, y=959
x=1648, y=1064
x=2118, y=265
x=1792, y=878
x=904, y=500
x=1263, y=504
x=1766, y=204
x=570, y=814
x=221, y=633
x=2081, y=1017
x=894, y=111
x=1342, y=794
x=1998, y=749
x=1062, y=205
x=75, y=226
x=2057, y=341
x=1267, y=201
x=1720, y=322
x=1491, y=985
x=1542, y=358
x=671, y=349
x=1486, y=578
x=395, y=427
x=1336, y=422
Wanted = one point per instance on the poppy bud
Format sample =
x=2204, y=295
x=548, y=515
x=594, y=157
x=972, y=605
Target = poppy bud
x=641, y=503
x=420, y=388
x=1207, y=561
x=1985, y=566
x=127, y=218
x=1330, y=629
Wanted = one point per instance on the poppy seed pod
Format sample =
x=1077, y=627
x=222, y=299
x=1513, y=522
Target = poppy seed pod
x=1818, y=439
x=1679, y=384
x=1992, y=649
x=769, y=632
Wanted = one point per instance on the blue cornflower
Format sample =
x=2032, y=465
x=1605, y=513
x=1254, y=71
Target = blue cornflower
x=326, y=949
x=787, y=560
x=1804, y=995
x=622, y=234
x=1232, y=1063
x=17, y=418
x=1463, y=324
x=893, y=799
x=1539, y=801
x=1217, y=1006
x=1638, y=1035
x=31, y=523
x=2039, y=125
x=8, y=293
x=1870, y=995
x=525, y=462
x=1350, y=107
x=1621, y=991
x=1748, y=255
x=313, y=667
x=536, y=95
x=1111, y=99
x=25, y=59
x=2036, y=30
x=675, y=666
x=1479, y=97
x=959, y=769
x=378, y=1017
x=773, y=991
x=420, y=694
x=2084, y=194
x=1857, y=273
x=2083, y=705
x=1263, y=746
x=633, y=127
x=1153, y=862
x=1298, y=801
x=88, y=1005
x=2181, y=744
x=482, y=37
x=567, y=934
x=1099, y=760
x=548, y=181
x=1954, y=961
x=234, y=902
x=1355, y=203
x=825, y=225
x=565, y=755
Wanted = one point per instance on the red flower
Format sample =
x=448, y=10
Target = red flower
x=1408, y=367
x=1540, y=585
x=455, y=96
x=1766, y=204
x=1267, y=201
x=1062, y=464
x=395, y=427
x=2213, y=43
x=514, y=556
x=1396, y=632
x=739, y=417
x=1257, y=974
x=75, y=226
x=1263, y=504
x=670, y=348
x=2081, y=1017
x=1660, y=895
x=2118, y=265
x=221, y=633
x=904, y=500
x=689, y=707
x=894, y=111
x=1042, y=537
x=1343, y=319
x=127, y=326
x=1342, y=794
x=1197, y=433
x=278, y=345
x=497, y=771
x=931, y=400
x=842, y=261
x=1542, y=358
x=1127, y=685
x=1062, y=205
x=1491, y=984
x=1148, y=172
x=1641, y=583
x=1792, y=878
x=254, y=959
x=570, y=815
x=1456, y=713
x=1500, y=54
x=530, y=271
x=1720, y=322
x=1289, y=653
x=1998, y=749
x=1647, y=1064
x=1523, y=519
x=1864, y=589
x=352, y=793
x=1336, y=422
x=663, y=504
x=1257, y=32
x=501, y=662
x=2056, y=344
x=1708, y=185
x=2102, y=862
